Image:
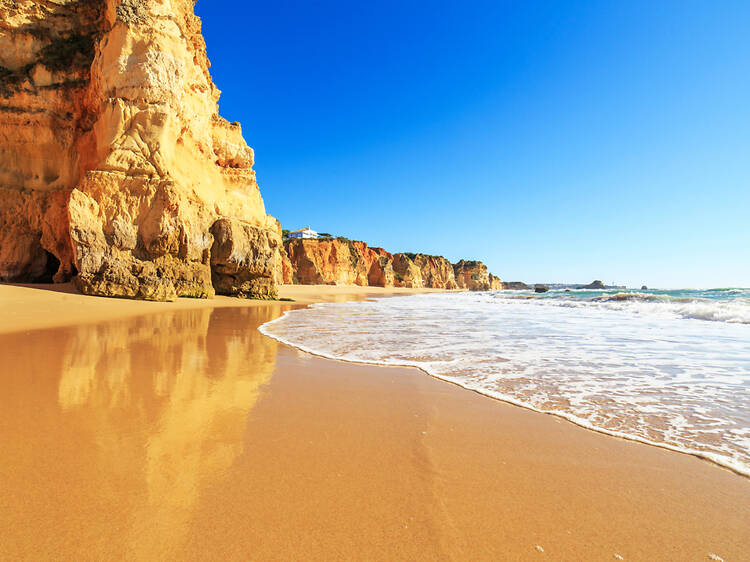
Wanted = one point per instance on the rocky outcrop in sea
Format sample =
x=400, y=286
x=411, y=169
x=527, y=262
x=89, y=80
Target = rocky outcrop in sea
x=597, y=284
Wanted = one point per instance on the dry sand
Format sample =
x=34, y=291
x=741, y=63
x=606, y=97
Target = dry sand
x=189, y=435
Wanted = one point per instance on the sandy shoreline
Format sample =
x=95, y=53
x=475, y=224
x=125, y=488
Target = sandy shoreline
x=32, y=307
x=188, y=434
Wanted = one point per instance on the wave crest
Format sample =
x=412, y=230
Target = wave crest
x=646, y=369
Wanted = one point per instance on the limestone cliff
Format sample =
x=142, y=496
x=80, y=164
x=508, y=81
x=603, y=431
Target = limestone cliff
x=345, y=262
x=408, y=274
x=338, y=262
x=472, y=275
x=435, y=272
x=115, y=168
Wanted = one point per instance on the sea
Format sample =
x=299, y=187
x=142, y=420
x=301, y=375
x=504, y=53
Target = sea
x=666, y=367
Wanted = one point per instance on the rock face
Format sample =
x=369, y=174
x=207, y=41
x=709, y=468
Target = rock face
x=472, y=275
x=540, y=288
x=115, y=168
x=515, y=286
x=338, y=262
x=437, y=272
x=345, y=262
x=408, y=274
x=593, y=285
x=423, y=271
x=243, y=260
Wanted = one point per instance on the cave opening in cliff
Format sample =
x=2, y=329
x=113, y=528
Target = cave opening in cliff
x=50, y=268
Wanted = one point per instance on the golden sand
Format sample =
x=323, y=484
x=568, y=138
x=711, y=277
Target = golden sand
x=187, y=434
x=30, y=307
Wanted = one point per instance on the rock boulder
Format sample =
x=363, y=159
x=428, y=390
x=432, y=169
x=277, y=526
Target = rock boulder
x=593, y=285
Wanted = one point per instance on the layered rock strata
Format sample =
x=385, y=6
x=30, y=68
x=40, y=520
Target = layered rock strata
x=337, y=262
x=436, y=271
x=116, y=170
x=345, y=262
x=472, y=275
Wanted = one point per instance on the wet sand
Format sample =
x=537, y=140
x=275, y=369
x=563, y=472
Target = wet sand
x=30, y=307
x=186, y=434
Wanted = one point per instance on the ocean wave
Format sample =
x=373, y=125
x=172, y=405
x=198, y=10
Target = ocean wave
x=695, y=306
x=628, y=297
x=732, y=313
x=737, y=312
x=639, y=369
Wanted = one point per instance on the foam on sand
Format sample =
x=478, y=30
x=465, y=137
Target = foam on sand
x=648, y=369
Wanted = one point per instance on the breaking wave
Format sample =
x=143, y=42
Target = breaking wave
x=670, y=368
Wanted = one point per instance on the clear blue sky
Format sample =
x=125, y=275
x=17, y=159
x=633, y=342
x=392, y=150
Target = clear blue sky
x=555, y=141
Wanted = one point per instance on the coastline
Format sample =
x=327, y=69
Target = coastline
x=346, y=458
x=579, y=422
x=33, y=307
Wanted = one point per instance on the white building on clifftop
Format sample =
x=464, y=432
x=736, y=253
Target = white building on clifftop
x=303, y=233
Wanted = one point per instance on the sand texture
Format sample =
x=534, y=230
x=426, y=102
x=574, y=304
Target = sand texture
x=177, y=431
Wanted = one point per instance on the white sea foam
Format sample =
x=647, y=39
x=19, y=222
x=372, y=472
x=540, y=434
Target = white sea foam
x=648, y=369
x=735, y=313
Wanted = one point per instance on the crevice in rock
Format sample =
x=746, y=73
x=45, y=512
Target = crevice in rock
x=50, y=268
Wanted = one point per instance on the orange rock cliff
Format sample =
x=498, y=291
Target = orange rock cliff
x=473, y=275
x=116, y=170
x=344, y=262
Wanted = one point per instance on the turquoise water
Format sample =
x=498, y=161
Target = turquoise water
x=727, y=294
x=666, y=367
x=667, y=294
x=730, y=305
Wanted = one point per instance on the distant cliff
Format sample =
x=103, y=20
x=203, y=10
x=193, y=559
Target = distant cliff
x=345, y=262
x=434, y=272
x=516, y=286
x=473, y=275
x=336, y=262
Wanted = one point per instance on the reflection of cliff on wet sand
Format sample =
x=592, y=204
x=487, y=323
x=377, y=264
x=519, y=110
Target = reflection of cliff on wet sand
x=149, y=411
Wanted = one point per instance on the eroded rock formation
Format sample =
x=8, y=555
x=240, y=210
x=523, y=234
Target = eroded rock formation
x=407, y=273
x=516, y=286
x=338, y=262
x=346, y=262
x=115, y=168
x=472, y=275
x=437, y=272
x=596, y=284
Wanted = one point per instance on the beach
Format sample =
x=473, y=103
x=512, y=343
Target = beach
x=140, y=431
x=30, y=307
